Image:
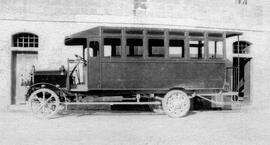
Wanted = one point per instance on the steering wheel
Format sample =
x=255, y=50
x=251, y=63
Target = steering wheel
x=80, y=58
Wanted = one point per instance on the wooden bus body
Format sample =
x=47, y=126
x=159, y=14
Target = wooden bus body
x=144, y=62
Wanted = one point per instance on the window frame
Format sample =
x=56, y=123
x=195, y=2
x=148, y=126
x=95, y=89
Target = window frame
x=116, y=37
x=156, y=37
x=89, y=48
x=134, y=37
x=183, y=37
x=208, y=50
x=166, y=35
x=183, y=49
x=19, y=41
x=240, y=51
x=203, y=49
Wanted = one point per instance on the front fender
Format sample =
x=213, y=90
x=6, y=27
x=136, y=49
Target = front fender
x=36, y=86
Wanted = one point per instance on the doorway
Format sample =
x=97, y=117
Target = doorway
x=241, y=77
x=21, y=66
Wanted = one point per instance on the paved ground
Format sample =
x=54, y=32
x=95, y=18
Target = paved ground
x=18, y=127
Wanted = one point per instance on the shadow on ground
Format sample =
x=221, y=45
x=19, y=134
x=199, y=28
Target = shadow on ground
x=120, y=110
x=114, y=110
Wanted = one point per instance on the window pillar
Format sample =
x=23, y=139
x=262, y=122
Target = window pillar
x=166, y=43
x=186, y=45
x=206, y=50
x=145, y=44
x=123, y=44
x=224, y=46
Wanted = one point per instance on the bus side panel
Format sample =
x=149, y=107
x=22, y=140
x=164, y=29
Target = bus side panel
x=162, y=75
x=93, y=73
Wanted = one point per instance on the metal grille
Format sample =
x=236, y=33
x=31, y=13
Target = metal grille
x=241, y=47
x=25, y=40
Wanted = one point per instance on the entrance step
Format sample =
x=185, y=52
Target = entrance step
x=18, y=108
x=80, y=88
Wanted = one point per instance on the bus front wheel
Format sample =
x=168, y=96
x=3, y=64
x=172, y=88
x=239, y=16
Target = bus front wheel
x=44, y=103
x=176, y=103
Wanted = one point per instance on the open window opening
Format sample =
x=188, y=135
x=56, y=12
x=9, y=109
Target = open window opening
x=156, y=48
x=215, y=48
x=112, y=47
x=93, y=48
x=176, y=48
x=196, y=49
x=134, y=47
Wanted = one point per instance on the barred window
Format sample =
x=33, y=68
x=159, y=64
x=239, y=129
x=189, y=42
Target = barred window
x=24, y=40
x=241, y=47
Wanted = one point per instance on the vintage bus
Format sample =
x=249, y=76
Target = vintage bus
x=135, y=65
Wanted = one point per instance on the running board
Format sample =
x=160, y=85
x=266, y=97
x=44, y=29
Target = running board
x=221, y=94
x=220, y=103
x=112, y=103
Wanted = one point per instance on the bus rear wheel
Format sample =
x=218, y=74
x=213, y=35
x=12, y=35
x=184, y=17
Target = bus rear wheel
x=176, y=103
x=44, y=103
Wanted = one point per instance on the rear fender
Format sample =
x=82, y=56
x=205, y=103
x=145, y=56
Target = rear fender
x=178, y=88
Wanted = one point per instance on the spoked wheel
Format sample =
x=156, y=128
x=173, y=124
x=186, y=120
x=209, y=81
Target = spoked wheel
x=44, y=103
x=176, y=103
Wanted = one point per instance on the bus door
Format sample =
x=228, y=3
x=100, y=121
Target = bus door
x=241, y=76
x=93, y=75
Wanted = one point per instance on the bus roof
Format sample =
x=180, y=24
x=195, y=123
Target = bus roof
x=79, y=38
